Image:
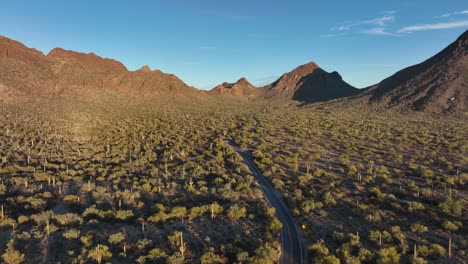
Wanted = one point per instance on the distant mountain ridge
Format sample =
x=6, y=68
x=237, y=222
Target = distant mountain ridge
x=66, y=60
x=438, y=84
x=307, y=83
x=240, y=90
x=25, y=72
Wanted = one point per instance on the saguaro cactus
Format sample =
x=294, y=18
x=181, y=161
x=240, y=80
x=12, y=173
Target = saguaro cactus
x=450, y=247
x=182, y=247
x=212, y=211
x=191, y=183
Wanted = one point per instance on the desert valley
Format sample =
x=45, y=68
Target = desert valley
x=100, y=164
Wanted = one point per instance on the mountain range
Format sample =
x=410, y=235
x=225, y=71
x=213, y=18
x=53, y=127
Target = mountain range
x=438, y=84
x=25, y=72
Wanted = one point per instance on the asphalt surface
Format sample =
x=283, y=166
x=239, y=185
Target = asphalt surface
x=291, y=241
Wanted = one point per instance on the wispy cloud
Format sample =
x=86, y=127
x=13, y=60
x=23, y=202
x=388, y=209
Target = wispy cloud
x=343, y=28
x=379, y=21
x=380, y=26
x=375, y=26
x=377, y=31
x=464, y=12
x=435, y=26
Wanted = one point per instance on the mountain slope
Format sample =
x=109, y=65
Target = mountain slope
x=438, y=84
x=25, y=71
x=309, y=83
x=242, y=90
x=155, y=82
x=66, y=61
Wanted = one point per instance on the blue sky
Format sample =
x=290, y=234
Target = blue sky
x=207, y=42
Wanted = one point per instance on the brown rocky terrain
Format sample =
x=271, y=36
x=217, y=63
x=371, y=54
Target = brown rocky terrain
x=438, y=84
x=242, y=89
x=26, y=71
x=23, y=70
x=309, y=83
x=68, y=62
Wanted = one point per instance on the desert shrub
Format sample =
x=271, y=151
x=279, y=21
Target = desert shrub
x=450, y=206
x=236, y=212
x=451, y=226
x=210, y=257
x=418, y=228
x=437, y=251
x=388, y=255
x=116, y=238
x=71, y=234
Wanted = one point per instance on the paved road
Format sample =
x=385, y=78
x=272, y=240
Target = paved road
x=292, y=251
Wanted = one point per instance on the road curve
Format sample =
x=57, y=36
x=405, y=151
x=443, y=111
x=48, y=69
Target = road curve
x=292, y=251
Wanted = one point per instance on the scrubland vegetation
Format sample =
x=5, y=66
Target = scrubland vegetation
x=366, y=187
x=139, y=183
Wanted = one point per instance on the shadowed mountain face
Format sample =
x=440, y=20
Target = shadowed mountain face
x=322, y=86
x=309, y=83
x=439, y=84
x=26, y=71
